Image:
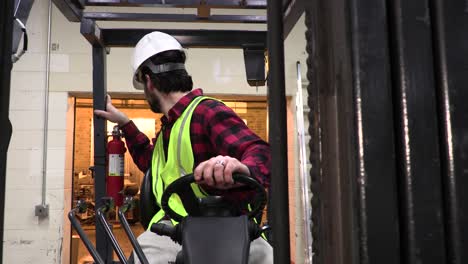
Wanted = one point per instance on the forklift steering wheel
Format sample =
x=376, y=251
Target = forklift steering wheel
x=176, y=187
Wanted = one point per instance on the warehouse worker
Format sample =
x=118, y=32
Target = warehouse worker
x=219, y=140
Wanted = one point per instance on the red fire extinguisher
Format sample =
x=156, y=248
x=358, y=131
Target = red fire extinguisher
x=115, y=166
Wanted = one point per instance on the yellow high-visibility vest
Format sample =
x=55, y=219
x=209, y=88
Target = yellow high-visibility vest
x=179, y=162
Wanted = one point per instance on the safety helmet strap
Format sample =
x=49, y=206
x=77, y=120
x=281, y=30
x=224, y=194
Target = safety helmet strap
x=160, y=68
x=165, y=67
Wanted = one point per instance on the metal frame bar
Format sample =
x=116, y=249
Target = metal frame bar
x=92, y=33
x=187, y=18
x=292, y=14
x=279, y=213
x=449, y=20
x=6, y=35
x=187, y=38
x=417, y=135
x=69, y=10
x=375, y=164
x=73, y=11
x=81, y=4
x=103, y=245
x=333, y=153
x=247, y=4
x=352, y=149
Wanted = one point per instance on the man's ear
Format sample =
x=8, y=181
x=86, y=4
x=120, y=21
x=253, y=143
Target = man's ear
x=149, y=82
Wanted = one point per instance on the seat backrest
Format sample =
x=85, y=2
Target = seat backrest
x=148, y=206
x=215, y=240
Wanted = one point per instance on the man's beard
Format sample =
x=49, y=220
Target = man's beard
x=154, y=104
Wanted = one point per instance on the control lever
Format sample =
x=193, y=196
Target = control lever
x=128, y=205
x=81, y=208
x=255, y=231
x=171, y=231
x=107, y=204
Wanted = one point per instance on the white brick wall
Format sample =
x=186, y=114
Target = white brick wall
x=28, y=239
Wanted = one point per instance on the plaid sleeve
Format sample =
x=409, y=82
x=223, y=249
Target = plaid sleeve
x=138, y=145
x=230, y=136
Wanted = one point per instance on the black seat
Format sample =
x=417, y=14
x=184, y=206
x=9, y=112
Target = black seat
x=148, y=205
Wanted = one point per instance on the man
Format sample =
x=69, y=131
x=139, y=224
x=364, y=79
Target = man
x=214, y=142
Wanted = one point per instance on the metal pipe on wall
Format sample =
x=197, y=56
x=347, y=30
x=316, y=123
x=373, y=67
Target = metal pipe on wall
x=42, y=210
x=279, y=219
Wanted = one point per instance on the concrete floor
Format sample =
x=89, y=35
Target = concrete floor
x=83, y=256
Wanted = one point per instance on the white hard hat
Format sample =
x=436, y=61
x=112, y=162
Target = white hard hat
x=150, y=45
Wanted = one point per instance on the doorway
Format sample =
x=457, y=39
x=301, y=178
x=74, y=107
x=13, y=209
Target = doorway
x=252, y=109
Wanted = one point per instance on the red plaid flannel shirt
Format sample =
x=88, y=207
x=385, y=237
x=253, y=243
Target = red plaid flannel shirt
x=214, y=130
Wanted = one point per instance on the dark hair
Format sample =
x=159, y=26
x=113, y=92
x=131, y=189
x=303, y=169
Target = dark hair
x=173, y=81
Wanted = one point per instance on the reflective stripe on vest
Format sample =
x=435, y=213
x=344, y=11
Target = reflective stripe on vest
x=179, y=162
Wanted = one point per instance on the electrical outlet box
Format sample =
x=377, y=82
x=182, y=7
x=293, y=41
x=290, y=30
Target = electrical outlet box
x=42, y=210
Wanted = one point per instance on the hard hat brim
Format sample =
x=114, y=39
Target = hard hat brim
x=138, y=85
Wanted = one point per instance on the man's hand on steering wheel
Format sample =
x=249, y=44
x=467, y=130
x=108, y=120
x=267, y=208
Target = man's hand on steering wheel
x=217, y=172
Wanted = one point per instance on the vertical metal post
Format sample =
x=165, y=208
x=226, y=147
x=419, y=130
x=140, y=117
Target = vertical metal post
x=417, y=144
x=449, y=20
x=6, y=35
x=379, y=236
x=103, y=245
x=278, y=134
x=354, y=189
